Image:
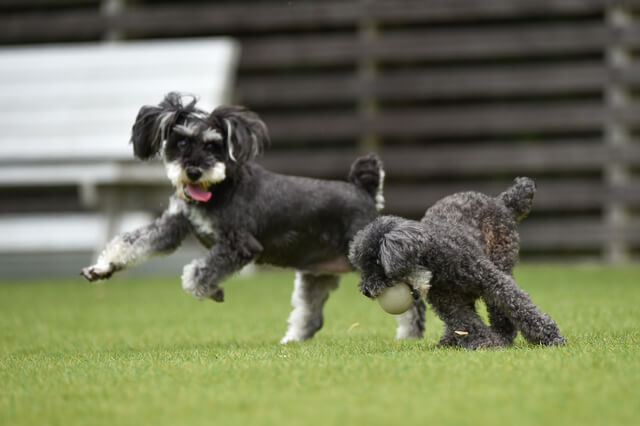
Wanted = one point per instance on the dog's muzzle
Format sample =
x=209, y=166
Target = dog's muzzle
x=193, y=173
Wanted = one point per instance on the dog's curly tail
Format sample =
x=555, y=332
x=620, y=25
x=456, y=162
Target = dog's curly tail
x=367, y=173
x=519, y=197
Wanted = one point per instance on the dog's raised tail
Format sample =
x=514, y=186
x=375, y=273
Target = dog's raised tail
x=367, y=172
x=519, y=197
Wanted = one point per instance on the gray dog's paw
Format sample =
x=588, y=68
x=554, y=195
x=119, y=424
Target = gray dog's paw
x=98, y=272
x=218, y=294
x=557, y=341
x=195, y=282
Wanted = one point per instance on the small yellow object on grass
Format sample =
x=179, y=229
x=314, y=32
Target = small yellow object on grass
x=396, y=299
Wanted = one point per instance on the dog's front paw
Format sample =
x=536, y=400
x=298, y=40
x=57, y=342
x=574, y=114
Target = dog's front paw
x=218, y=294
x=558, y=341
x=98, y=272
x=195, y=282
x=373, y=287
x=366, y=292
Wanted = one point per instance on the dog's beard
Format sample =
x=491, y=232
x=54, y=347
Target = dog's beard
x=195, y=191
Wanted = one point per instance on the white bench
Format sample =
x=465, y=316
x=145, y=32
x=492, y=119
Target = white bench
x=66, y=113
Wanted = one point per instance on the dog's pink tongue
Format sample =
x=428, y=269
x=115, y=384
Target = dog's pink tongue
x=198, y=193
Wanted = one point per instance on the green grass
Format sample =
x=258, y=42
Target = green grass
x=140, y=351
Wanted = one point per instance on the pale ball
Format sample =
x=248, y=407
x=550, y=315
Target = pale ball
x=396, y=299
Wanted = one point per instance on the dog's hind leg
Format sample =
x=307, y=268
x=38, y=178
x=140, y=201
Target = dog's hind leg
x=310, y=292
x=411, y=323
x=462, y=325
x=501, y=324
x=502, y=292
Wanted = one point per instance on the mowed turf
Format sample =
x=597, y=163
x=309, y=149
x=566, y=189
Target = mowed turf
x=140, y=351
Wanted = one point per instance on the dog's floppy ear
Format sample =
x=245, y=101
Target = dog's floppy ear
x=402, y=247
x=152, y=122
x=245, y=133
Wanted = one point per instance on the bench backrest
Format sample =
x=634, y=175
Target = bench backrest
x=61, y=102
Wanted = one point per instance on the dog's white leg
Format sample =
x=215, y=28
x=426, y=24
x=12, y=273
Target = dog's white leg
x=162, y=236
x=310, y=292
x=411, y=323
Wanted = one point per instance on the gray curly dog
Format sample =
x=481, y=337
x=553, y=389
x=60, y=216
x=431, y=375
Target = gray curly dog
x=463, y=249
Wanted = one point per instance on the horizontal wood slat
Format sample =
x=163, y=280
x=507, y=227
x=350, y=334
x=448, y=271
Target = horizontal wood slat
x=515, y=118
x=432, y=44
x=71, y=25
x=308, y=127
x=496, y=158
x=458, y=159
x=460, y=10
x=450, y=83
x=270, y=16
x=266, y=16
x=327, y=164
x=573, y=234
x=455, y=160
x=490, y=119
x=245, y=16
x=551, y=195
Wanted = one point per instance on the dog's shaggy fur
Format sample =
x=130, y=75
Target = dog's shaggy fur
x=242, y=212
x=464, y=248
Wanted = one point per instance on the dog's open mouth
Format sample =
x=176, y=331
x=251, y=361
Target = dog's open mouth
x=197, y=193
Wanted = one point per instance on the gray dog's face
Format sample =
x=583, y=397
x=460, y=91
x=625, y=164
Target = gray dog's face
x=387, y=251
x=200, y=149
x=196, y=157
x=364, y=255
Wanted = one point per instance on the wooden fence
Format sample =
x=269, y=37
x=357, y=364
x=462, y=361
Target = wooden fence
x=454, y=95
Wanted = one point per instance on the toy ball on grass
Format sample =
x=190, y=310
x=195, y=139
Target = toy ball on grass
x=396, y=299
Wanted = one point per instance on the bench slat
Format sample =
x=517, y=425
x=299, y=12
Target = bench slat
x=39, y=233
x=86, y=96
x=94, y=173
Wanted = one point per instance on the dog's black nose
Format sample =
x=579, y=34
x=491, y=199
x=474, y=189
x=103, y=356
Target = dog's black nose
x=193, y=173
x=365, y=291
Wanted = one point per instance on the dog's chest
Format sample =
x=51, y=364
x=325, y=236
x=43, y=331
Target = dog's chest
x=203, y=225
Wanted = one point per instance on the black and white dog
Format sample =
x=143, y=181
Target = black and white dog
x=242, y=212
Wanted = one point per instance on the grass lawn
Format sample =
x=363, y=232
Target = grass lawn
x=139, y=351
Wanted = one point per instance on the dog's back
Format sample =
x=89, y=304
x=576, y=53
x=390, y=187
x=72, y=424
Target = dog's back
x=471, y=207
x=307, y=223
x=490, y=221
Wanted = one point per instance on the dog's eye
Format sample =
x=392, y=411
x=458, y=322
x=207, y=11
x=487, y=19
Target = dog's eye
x=182, y=144
x=212, y=147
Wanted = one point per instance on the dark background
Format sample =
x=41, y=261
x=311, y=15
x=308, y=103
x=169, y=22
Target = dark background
x=454, y=95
